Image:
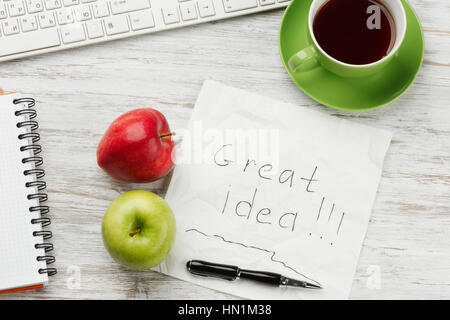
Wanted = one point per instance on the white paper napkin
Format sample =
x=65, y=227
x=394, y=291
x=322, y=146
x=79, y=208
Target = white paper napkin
x=270, y=186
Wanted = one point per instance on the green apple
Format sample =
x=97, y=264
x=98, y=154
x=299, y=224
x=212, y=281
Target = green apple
x=138, y=229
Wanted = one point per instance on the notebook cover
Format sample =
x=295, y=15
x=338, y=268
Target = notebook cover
x=37, y=286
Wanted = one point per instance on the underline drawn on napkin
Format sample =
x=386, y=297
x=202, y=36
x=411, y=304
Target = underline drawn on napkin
x=273, y=253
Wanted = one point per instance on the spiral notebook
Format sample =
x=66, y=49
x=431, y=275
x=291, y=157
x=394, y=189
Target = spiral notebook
x=25, y=252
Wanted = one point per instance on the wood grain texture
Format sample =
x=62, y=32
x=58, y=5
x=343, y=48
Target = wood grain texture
x=81, y=91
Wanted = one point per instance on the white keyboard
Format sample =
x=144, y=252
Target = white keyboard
x=29, y=27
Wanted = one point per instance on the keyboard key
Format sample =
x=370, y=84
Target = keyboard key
x=29, y=41
x=266, y=2
x=122, y=6
x=52, y=4
x=16, y=8
x=46, y=20
x=188, y=11
x=83, y=13
x=10, y=27
x=117, y=24
x=100, y=10
x=3, y=13
x=64, y=16
x=29, y=23
x=72, y=33
x=142, y=20
x=68, y=3
x=34, y=6
x=170, y=15
x=236, y=5
x=94, y=29
x=206, y=8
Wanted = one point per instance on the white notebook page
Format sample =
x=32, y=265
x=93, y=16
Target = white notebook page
x=18, y=264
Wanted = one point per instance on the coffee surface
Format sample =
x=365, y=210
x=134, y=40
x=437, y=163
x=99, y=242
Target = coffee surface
x=349, y=33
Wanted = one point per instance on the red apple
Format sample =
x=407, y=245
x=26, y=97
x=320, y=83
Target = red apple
x=137, y=147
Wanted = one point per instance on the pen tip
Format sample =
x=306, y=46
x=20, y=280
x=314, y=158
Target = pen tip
x=314, y=286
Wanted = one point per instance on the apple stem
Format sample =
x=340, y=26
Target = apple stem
x=135, y=233
x=167, y=135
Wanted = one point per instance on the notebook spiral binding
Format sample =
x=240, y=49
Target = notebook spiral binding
x=38, y=184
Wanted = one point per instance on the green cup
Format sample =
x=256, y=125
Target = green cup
x=314, y=56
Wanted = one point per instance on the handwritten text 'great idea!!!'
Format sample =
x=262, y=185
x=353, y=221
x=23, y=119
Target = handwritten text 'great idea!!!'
x=326, y=211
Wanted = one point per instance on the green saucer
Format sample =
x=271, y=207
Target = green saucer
x=352, y=93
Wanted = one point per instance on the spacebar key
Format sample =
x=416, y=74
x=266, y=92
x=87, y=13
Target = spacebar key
x=29, y=41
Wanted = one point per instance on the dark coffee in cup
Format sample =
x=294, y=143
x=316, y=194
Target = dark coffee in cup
x=355, y=31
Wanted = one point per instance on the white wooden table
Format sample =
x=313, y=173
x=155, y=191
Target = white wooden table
x=81, y=91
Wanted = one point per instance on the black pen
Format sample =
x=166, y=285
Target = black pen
x=227, y=272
